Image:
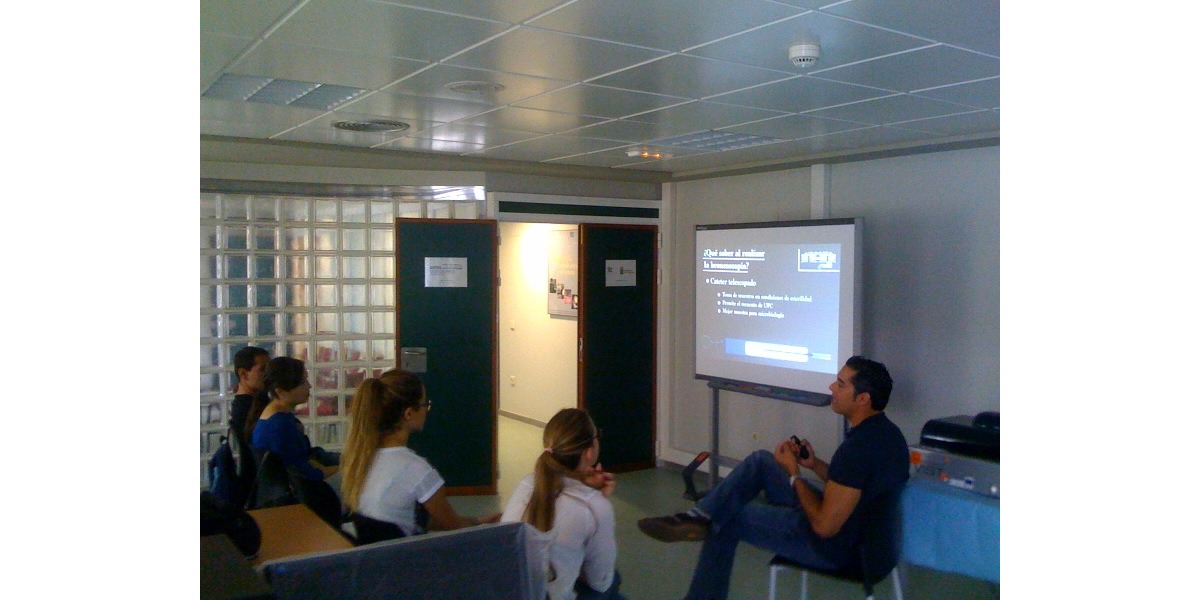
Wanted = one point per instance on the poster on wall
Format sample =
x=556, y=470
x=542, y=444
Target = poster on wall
x=562, y=258
x=445, y=271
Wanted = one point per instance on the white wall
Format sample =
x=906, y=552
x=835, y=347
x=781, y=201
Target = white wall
x=932, y=279
x=931, y=261
x=537, y=350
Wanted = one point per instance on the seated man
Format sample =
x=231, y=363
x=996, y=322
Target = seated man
x=799, y=522
x=249, y=364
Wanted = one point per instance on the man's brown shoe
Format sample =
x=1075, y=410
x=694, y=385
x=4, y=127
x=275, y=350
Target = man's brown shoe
x=680, y=527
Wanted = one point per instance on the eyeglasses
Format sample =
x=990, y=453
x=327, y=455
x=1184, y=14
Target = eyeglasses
x=599, y=434
x=427, y=405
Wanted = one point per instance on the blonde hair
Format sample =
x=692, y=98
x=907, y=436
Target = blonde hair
x=567, y=436
x=377, y=409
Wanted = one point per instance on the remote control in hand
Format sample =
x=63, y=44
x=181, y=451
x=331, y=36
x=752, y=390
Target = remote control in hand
x=803, y=448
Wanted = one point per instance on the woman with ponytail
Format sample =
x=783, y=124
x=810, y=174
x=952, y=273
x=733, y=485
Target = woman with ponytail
x=566, y=497
x=384, y=479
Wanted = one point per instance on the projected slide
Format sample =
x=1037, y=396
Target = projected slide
x=776, y=303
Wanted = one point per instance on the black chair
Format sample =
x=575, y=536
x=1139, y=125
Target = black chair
x=247, y=464
x=878, y=552
x=318, y=496
x=369, y=531
x=272, y=484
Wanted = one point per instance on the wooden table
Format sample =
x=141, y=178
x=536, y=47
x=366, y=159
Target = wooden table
x=293, y=530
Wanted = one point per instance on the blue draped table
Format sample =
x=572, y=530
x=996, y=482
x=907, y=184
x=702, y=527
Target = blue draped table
x=953, y=530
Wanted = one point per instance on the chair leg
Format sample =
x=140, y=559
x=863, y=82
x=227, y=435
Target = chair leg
x=896, y=588
x=803, y=585
x=771, y=582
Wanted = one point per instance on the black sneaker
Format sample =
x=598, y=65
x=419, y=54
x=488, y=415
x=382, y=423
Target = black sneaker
x=680, y=527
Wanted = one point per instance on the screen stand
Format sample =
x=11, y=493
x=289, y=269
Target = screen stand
x=798, y=396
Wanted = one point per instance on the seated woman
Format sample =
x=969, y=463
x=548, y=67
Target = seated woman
x=566, y=496
x=384, y=479
x=276, y=429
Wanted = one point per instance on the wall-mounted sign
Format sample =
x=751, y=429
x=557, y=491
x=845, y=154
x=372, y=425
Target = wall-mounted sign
x=443, y=271
x=620, y=273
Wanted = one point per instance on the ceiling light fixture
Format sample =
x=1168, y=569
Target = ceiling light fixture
x=372, y=126
x=280, y=92
x=474, y=87
x=652, y=154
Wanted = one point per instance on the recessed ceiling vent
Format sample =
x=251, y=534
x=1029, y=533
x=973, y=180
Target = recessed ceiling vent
x=474, y=87
x=373, y=126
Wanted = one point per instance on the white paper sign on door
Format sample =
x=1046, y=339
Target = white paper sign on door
x=445, y=271
x=620, y=273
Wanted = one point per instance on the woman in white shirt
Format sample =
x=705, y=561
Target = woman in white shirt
x=566, y=497
x=381, y=477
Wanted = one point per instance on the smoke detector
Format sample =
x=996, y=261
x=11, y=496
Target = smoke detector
x=805, y=54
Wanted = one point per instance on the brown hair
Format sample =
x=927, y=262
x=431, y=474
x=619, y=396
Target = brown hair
x=377, y=409
x=282, y=373
x=567, y=436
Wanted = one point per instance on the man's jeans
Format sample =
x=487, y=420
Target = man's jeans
x=780, y=527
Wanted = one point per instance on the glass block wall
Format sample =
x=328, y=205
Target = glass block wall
x=310, y=277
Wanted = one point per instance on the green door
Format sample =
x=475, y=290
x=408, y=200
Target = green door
x=618, y=266
x=446, y=307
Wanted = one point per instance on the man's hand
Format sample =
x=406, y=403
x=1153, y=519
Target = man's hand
x=600, y=479
x=785, y=455
x=809, y=463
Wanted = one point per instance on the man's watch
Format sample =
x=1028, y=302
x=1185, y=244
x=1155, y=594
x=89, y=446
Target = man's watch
x=792, y=480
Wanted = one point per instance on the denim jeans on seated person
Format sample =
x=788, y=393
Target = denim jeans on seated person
x=780, y=526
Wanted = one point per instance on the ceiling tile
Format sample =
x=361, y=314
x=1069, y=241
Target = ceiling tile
x=919, y=69
x=869, y=138
x=241, y=18
x=431, y=145
x=432, y=82
x=892, y=109
x=546, y=148
x=306, y=63
x=218, y=51
x=404, y=107
x=979, y=94
x=965, y=123
x=972, y=24
x=599, y=101
x=513, y=11
x=476, y=135
x=841, y=42
x=528, y=119
x=700, y=116
x=794, y=126
x=621, y=130
x=799, y=94
x=689, y=77
x=671, y=25
x=270, y=117
x=374, y=29
x=551, y=55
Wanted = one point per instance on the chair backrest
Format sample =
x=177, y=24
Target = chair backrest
x=272, y=484
x=247, y=462
x=369, y=531
x=319, y=496
x=880, y=546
